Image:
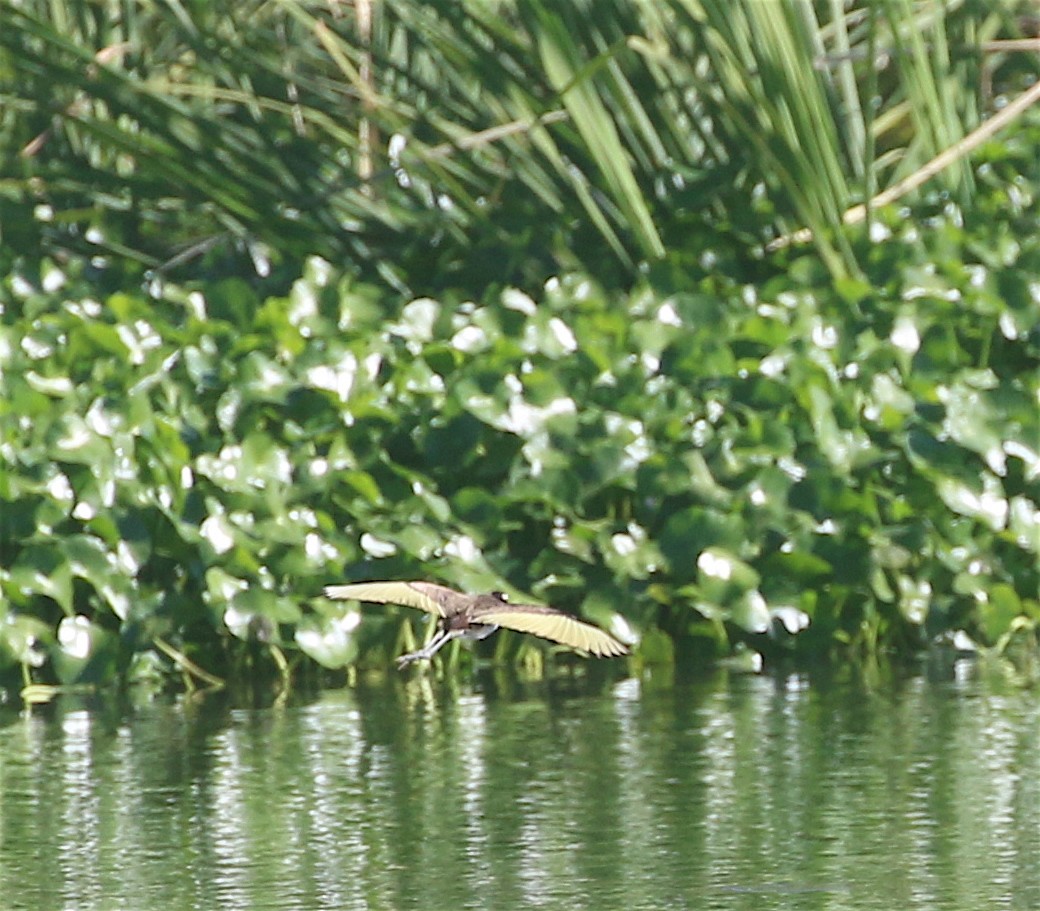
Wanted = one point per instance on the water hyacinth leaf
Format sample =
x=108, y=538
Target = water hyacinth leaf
x=629, y=553
x=40, y=514
x=549, y=335
x=264, y=379
x=1024, y=523
x=96, y=338
x=722, y=576
x=478, y=507
x=750, y=612
x=489, y=407
x=364, y=485
x=983, y=500
x=253, y=614
x=973, y=582
x=760, y=439
x=376, y=547
x=24, y=639
x=889, y=403
x=937, y=458
x=202, y=362
x=330, y=639
x=53, y=386
x=22, y=399
x=437, y=507
x=790, y=619
x=915, y=596
x=602, y=607
x=660, y=477
x=89, y=558
x=418, y=319
x=72, y=440
x=686, y=534
x=86, y=653
x=41, y=570
x=110, y=573
x=229, y=409
x=453, y=441
x=999, y=609
x=306, y=552
x=222, y=587
x=798, y=565
x=131, y=539
x=651, y=337
x=710, y=610
x=232, y=300
x=576, y=539
x=890, y=554
x=973, y=421
x=264, y=464
x=422, y=542
x=218, y=534
x=702, y=482
x=254, y=464
x=837, y=444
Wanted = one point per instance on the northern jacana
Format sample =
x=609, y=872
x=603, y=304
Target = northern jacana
x=478, y=616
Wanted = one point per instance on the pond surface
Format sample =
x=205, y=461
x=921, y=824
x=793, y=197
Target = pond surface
x=729, y=793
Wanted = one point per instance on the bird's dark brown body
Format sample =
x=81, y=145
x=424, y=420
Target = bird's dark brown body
x=478, y=616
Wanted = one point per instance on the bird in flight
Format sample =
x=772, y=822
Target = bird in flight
x=478, y=616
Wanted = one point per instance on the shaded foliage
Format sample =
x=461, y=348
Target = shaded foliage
x=526, y=135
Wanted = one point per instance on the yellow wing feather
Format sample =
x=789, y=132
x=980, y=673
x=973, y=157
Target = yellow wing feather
x=556, y=626
x=408, y=594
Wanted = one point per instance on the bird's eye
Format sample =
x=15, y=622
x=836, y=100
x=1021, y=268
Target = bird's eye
x=501, y=596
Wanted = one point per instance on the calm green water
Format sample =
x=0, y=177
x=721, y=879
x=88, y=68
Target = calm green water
x=742, y=793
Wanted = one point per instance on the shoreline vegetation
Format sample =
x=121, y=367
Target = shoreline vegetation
x=714, y=324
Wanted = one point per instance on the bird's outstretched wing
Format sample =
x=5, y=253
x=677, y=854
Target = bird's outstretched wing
x=435, y=599
x=554, y=625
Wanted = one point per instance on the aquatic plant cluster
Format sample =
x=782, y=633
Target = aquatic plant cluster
x=696, y=440
x=706, y=459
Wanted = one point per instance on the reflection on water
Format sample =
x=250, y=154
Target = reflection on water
x=744, y=793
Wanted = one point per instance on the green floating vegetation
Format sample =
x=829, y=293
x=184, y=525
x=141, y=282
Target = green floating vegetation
x=795, y=465
x=513, y=296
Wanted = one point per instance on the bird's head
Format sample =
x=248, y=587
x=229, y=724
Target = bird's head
x=500, y=596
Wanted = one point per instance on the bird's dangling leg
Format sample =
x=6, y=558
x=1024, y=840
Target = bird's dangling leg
x=431, y=648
